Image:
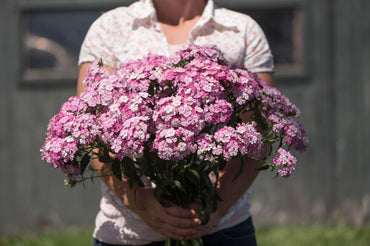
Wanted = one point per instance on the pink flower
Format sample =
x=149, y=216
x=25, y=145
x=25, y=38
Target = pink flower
x=174, y=144
x=285, y=162
x=58, y=151
x=219, y=111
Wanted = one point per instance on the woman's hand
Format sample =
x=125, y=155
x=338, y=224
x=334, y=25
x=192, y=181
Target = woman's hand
x=174, y=221
x=204, y=230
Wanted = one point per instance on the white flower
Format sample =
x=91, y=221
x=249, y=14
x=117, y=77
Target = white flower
x=157, y=73
x=143, y=94
x=188, y=80
x=123, y=99
x=114, y=107
x=134, y=107
x=170, y=132
x=182, y=146
x=208, y=87
x=109, y=87
x=123, y=134
x=198, y=109
x=176, y=102
x=137, y=99
x=102, y=85
x=69, y=139
x=240, y=130
x=133, y=76
x=168, y=109
x=269, y=91
x=245, y=96
x=244, y=80
x=47, y=146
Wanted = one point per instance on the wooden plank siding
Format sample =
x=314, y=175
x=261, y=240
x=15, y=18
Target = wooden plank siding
x=332, y=180
x=307, y=195
x=352, y=109
x=6, y=168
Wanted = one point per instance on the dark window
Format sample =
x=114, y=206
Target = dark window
x=283, y=28
x=52, y=41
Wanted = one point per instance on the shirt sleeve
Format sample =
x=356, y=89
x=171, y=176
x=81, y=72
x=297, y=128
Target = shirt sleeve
x=98, y=42
x=258, y=57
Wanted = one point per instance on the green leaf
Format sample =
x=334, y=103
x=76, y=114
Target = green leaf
x=105, y=158
x=193, y=179
x=168, y=242
x=195, y=173
x=100, y=62
x=130, y=171
x=205, y=209
x=85, y=162
x=116, y=169
x=71, y=182
x=265, y=167
x=179, y=185
x=196, y=242
x=207, y=181
x=222, y=164
x=159, y=196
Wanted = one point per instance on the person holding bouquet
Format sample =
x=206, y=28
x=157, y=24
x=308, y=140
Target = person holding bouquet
x=133, y=216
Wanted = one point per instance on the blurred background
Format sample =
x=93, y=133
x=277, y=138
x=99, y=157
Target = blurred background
x=322, y=56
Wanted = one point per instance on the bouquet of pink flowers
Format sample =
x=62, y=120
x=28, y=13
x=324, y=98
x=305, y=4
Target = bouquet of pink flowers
x=174, y=121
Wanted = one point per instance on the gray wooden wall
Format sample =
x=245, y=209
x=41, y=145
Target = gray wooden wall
x=332, y=181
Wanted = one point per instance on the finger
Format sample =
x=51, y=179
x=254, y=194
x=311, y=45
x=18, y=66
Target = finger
x=196, y=206
x=182, y=222
x=181, y=212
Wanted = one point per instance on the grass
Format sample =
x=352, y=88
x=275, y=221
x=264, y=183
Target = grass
x=318, y=235
x=66, y=237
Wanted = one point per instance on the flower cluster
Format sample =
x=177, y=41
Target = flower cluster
x=229, y=142
x=285, y=162
x=184, y=107
x=176, y=122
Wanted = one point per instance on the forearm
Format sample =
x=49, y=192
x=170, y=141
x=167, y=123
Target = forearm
x=120, y=188
x=230, y=189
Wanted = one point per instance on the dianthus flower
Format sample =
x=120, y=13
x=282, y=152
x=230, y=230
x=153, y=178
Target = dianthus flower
x=285, y=162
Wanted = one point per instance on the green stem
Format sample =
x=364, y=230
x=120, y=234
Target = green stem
x=168, y=242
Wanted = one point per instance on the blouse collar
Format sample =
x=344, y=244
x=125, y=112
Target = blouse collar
x=144, y=9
